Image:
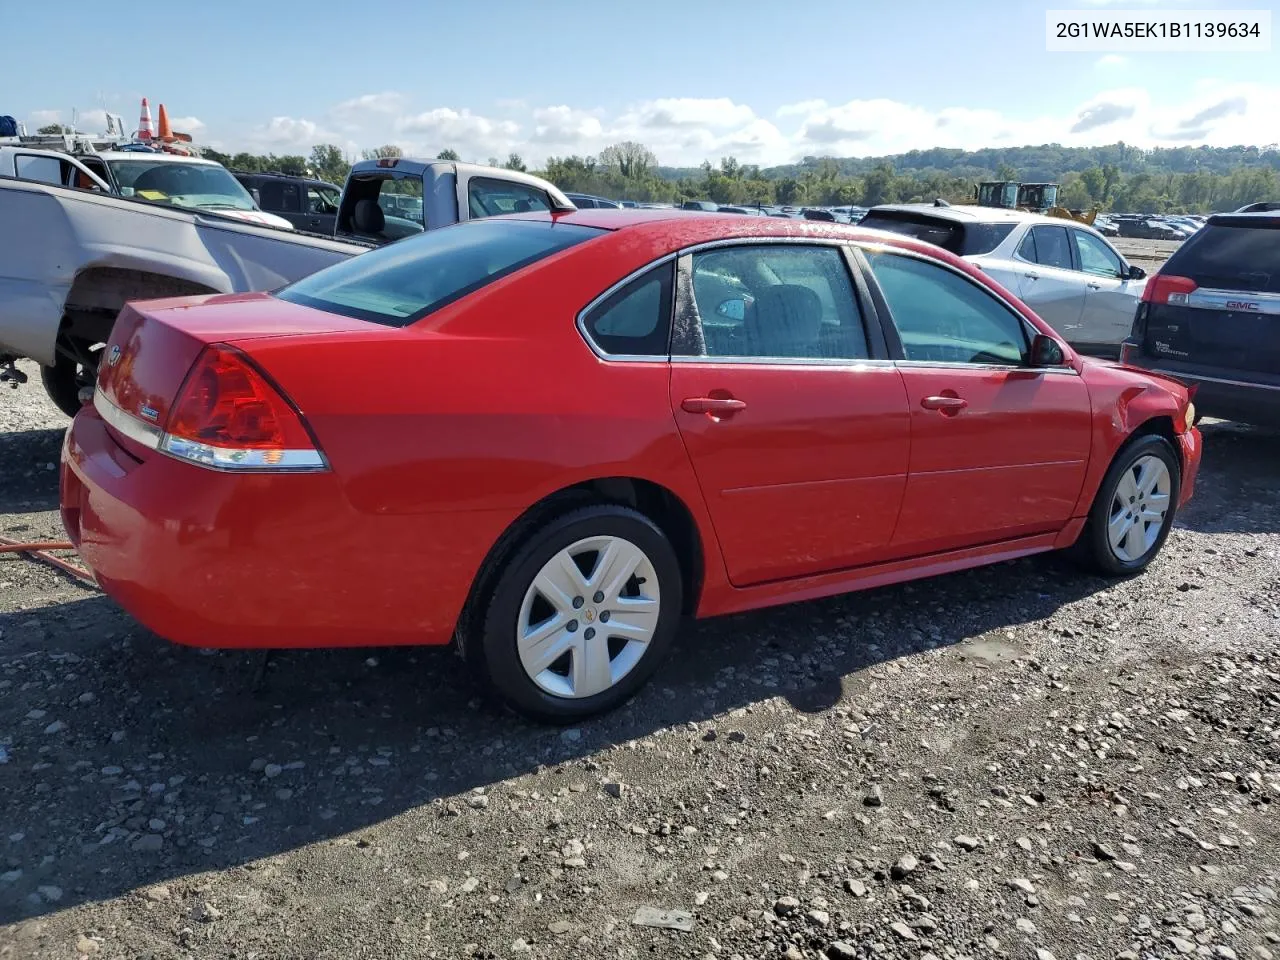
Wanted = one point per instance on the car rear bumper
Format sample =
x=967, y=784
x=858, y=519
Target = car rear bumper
x=1240, y=395
x=213, y=559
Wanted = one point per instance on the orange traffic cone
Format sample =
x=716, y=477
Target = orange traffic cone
x=144, y=122
x=166, y=132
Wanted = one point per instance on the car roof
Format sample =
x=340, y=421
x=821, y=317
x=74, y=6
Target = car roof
x=153, y=157
x=681, y=228
x=961, y=213
x=1255, y=218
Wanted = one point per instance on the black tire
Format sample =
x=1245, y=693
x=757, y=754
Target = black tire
x=1094, y=547
x=499, y=659
x=64, y=380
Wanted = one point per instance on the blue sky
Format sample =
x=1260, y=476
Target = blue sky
x=695, y=79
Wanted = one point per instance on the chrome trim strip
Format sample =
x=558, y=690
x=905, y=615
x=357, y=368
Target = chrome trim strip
x=1209, y=298
x=851, y=363
x=581, y=320
x=961, y=365
x=147, y=434
x=238, y=460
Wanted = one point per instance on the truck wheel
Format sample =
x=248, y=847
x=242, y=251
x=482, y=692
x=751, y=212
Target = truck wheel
x=64, y=381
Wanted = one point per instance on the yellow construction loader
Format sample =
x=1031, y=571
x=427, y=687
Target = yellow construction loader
x=1030, y=197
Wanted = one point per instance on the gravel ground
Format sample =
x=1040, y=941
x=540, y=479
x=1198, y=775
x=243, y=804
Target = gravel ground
x=1020, y=761
x=1148, y=254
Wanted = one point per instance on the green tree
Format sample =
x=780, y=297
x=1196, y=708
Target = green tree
x=328, y=163
x=629, y=158
x=447, y=154
x=1006, y=172
x=53, y=129
x=514, y=162
x=878, y=186
x=382, y=152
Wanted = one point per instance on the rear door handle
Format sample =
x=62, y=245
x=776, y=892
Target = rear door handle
x=720, y=406
x=1032, y=276
x=945, y=404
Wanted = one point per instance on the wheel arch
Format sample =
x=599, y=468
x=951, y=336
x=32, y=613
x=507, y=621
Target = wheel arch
x=99, y=292
x=657, y=502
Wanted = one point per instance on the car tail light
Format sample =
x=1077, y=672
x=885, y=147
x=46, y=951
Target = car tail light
x=1167, y=289
x=229, y=415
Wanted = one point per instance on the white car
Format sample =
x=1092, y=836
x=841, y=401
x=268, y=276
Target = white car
x=1065, y=271
x=191, y=183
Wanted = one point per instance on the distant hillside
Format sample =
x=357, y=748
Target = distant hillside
x=1048, y=162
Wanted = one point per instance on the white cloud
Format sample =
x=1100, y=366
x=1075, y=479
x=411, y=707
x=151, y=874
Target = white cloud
x=1111, y=60
x=564, y=126
x=802, y=108
x=376, y=107
x=473, y=136
x=669, y=113
x=42, y=118
x=191, y=125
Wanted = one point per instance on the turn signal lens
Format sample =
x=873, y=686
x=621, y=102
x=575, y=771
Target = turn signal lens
x=1174, y=291
x=230, y=416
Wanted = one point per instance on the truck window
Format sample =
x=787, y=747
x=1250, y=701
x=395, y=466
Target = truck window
x=493, y=198
x=278, y=196
x=43, y=169
x=322, y=200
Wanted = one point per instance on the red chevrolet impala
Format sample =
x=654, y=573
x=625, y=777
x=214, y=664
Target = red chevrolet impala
x=548, y=438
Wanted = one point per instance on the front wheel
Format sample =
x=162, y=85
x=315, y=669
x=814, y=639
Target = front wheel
x=582, y=614
x=1134, y=509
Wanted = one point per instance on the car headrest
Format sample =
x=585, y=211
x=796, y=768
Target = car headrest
x=367, y=217
x=786, y=321
x=523, y=206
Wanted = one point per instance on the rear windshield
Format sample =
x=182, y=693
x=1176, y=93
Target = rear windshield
x=403, y=282
x=1231, y=257
x=962, y=239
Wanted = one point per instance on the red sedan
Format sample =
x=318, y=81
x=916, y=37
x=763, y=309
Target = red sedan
x=548, y=438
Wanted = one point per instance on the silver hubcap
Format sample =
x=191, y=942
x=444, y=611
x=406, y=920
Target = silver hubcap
x=1138, y=508
x=588, y=617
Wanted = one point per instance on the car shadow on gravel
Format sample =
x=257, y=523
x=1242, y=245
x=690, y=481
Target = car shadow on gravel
x=133, y=762
x=1238, y=490
x=25, y=456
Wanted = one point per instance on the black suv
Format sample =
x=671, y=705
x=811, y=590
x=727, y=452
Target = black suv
x=1211, y=318
x=310, y=205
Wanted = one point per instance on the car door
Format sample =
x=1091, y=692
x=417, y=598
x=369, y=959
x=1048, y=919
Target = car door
x=793, y=416
x=322, y=210
x=1048, y=282
x=998, y=449
x=1111, y=298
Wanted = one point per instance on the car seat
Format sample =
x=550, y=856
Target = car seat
x=784, y=321
x=367, y=217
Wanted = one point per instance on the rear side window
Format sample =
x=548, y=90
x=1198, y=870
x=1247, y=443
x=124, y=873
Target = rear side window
x=1244, y=258
x=493, y=198
x=636, y=320
x=1052, y=247
x=403, y=282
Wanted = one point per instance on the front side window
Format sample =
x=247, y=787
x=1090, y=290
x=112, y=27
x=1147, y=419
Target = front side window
x=775, y=301
x=636, y=320
x=493, y=198
x=403, y=282
x=1096, y=257
x=322, y=200
x=942, y=317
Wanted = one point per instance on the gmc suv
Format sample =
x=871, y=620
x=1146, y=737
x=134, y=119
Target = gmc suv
x=1211, y=318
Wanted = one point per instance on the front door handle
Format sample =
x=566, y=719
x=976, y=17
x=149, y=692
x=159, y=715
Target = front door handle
x=1094, y=286
x=950, y=405
x=717, y=406
x=1032, y=276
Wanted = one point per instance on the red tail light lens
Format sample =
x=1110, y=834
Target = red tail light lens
x=1174, y=291
x=229, y=415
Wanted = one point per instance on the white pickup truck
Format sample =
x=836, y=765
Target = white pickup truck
x=72, y=256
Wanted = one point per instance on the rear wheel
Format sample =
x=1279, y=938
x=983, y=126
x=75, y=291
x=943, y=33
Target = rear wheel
x=69, y=382
x=1134, y=509
x=582, y=614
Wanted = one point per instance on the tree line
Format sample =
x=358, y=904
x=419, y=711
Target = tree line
x=1116, y=177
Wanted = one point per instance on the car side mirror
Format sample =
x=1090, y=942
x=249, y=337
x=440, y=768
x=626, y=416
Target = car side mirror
x=1136, y=273
x=1046, y=352
x=735, y=309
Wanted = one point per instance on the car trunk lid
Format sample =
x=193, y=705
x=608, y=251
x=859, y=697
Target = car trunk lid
x=1217, y=300
x=154, y=345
